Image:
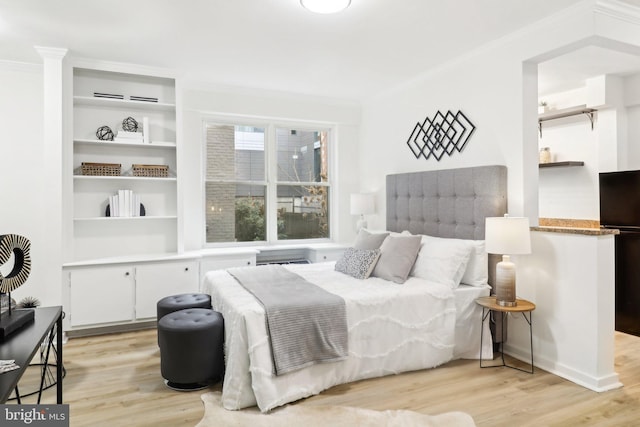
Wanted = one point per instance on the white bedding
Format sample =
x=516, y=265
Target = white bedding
x=392, y=328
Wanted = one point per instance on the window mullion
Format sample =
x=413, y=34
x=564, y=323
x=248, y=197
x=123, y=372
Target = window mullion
x=272, y=173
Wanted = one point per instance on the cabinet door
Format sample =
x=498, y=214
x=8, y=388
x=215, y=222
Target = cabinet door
x=157, y=280
x=324, y=255
x=220, y=263
x=101, y=295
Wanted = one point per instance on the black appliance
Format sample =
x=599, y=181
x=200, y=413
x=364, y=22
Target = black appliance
x=620, y=209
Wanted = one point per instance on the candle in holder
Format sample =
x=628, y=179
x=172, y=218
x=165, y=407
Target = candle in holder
x=545, y=155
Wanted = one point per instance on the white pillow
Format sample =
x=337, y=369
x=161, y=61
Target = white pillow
x=477, y=272
x=442, y=260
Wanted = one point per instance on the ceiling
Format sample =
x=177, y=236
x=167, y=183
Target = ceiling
x=278, y=45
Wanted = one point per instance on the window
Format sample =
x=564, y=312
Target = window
x=266, y=183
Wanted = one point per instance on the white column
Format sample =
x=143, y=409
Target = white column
x=53, y=130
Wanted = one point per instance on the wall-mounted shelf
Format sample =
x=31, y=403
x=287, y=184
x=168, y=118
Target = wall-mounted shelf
x=560, y=164
x=566, y=112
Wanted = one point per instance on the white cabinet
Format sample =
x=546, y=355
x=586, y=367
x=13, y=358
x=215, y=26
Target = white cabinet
x=108, y=295
x=325, y=253
x=210, y=262
x=93, y=235
x=155, y=281
x=101, y=295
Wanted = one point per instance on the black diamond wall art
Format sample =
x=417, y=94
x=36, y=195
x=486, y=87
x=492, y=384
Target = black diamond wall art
x=443, y=134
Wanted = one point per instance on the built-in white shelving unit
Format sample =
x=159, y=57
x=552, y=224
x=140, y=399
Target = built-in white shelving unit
x=117, y=268
x=95, y=235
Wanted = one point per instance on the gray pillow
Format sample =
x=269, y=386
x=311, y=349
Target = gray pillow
x=397, y=255
x=366, y=240
x=358, y=263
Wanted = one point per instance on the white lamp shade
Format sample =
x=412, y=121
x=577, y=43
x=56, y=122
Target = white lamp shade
x=507, y=235
x=325, y=6
x=362, y=204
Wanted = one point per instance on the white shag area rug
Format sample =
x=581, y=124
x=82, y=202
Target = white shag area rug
x=323, y=416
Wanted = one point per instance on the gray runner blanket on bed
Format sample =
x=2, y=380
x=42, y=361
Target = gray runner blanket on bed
x=305, y=323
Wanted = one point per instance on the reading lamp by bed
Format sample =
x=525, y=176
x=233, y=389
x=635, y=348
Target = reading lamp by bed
x=507, y=236
x=362, y=204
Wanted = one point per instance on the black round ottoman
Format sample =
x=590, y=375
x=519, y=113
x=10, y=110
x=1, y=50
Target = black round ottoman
x=191, y=348
x=179, y=302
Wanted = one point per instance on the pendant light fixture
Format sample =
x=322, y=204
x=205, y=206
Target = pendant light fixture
x=325, y=6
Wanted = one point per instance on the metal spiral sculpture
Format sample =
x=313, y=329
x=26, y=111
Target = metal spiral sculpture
x=21, y=249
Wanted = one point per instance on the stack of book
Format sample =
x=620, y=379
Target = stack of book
x=125, y=203
x=126, y=136
x=135, y=137
x=7, y=365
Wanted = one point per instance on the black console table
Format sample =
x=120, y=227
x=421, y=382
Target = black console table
x=24, y=343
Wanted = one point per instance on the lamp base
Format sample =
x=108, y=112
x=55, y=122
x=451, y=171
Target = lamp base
x=505, y=288
x=506, y=303
x=11, y=322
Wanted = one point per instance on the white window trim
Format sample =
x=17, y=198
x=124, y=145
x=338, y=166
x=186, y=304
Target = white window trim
x=270, y=126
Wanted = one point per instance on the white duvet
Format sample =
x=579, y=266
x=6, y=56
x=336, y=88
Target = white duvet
x=392, y=328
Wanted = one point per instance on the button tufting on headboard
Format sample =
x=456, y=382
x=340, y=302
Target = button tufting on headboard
x=446, y=203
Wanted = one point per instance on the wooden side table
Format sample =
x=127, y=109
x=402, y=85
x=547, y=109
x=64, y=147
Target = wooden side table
x=489, y=304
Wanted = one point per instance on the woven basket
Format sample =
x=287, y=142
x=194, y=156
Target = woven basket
x=101, y=169
x=153, y=171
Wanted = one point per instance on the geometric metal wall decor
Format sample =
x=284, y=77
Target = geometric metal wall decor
x=444, y=134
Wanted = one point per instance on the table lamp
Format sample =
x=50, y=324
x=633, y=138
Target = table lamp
x=507, y=236
x=362, y=204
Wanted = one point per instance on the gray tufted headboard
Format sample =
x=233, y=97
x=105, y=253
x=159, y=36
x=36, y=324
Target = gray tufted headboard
x=446, y=203
x=449, y=203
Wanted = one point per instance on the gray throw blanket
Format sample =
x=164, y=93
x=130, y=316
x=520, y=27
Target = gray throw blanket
x=305, y=323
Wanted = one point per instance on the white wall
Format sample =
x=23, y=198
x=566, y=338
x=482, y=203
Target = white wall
x=201, y=102
x=567, y=276
x=573, y=192
x=496, y=88
x=570, y=192
x=632, y=104
x=22, y=187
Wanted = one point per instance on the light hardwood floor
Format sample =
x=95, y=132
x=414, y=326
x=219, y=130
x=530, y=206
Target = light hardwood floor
x=114, y=380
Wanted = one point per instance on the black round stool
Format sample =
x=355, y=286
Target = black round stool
x=179, y=302
x=191, y=348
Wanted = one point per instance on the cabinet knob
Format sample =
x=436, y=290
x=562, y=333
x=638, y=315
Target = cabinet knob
x=186, y=269
x=248, y=262
x=127, y=273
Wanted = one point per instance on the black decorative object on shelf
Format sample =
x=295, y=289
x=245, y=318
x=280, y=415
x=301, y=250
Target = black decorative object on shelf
x=143, y=211
x=20, y=248
x=104, y=133
x=130, y=124
x=444, y=134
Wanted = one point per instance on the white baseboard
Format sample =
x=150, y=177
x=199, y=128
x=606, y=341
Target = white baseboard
x=584, y=379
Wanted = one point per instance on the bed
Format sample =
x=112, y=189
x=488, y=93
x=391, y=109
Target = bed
x=392, y=328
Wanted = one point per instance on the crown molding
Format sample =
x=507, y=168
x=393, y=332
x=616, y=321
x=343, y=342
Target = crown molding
x=618, y=9
x=20, y=66
x=51, y=52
